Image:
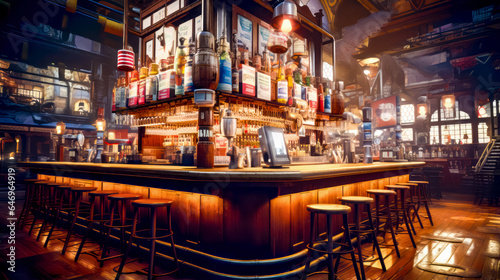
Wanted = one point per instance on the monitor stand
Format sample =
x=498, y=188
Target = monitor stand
x=275, y=167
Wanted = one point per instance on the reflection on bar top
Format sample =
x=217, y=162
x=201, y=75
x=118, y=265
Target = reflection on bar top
x=294, y=172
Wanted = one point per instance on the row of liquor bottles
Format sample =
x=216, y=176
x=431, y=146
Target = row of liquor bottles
x=172, y=77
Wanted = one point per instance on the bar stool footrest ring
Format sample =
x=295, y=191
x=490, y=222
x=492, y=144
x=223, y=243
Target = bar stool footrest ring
x=170, y=233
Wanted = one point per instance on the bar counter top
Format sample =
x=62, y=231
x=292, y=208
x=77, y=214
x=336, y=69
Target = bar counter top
x=254, y=174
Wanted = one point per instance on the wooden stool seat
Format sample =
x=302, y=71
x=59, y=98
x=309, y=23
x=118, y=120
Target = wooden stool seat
x=64, y=186
x=83, y=189
x=329, y=208
x=125, y=196
x=102, y=193
x=356, y=199
x=31, y=180
x=418, y=182
x=53, y=184
x=407, y=184
x=152, y=202
x=381, y=192
x=41, y=183
x=397, y=187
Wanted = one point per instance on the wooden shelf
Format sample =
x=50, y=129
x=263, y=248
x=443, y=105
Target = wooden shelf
x=247, y=98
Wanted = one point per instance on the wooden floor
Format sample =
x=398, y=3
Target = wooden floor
x=454, y=216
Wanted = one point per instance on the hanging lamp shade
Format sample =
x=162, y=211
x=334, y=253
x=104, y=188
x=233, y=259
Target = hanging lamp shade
x=285, y=17
x=126, y=60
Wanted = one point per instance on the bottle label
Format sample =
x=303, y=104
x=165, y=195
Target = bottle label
x=303, y=93
x=312, y=96
x=141, y=92
x=164, y=88
x=149, y=95
x=297, y=91
x=225, y=76
x=236, y=81
x=282, y=89
x=132, y=97
x=179, y=84
x=328, y=103
x=188, y=78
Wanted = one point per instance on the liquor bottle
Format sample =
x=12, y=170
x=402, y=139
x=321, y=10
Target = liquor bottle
x=163, y=80
x=312, y=94
x=152, y=84
x=225, y=75
x=328, y=100
x=266, y=63
x=179, y=67
x=188, y=71
x=132, y=89
x=440, y=153
x=321, y=98
x=235, y=74
x=297, y=85
x=113, y=100
x=141, y=88
x=282, y=87
x=122, y=93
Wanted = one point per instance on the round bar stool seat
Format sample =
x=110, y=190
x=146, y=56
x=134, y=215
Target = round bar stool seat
x=356, y=199
x=328, y=208
x=103, y=193
x=407, y=184
x=397, y=187
x=83, y=189
x=381, y=192
x=125, y=196
x=152, y=202
x=418, y=182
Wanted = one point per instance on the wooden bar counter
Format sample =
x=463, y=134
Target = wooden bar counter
x=249, y=221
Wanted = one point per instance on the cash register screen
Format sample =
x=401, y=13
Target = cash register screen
x=274, y=150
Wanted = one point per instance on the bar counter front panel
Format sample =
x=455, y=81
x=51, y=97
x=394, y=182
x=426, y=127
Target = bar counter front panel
x=235, y=215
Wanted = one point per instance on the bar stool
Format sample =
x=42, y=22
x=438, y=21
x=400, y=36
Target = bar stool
x=49, y=204
x=92, y=218
x=39, y=189
x=378, y=193
x=152, y=205
x=117, y=201
x=329, y=210
x=359, y=229
x=30, y=198
x=412, y=202
x=63, y=204
x=77, y=193
x=423, y=197
x=401, y=210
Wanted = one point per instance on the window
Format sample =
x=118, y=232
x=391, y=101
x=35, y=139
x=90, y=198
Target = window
x=327, y=71
x=484, y=111
x=407, y=134
x=459, y=115
x=435, y=116
x=482, y=133
x=407, y=113
x=434, y=134
x=453, y=133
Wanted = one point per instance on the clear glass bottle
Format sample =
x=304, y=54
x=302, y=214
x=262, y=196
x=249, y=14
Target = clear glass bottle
x=179, y=67
x=225, y=75
x=152, y=84
x=141, y=88
x=188, y=71
x=132, y=89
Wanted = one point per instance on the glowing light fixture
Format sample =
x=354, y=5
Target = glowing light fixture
x=367, y=72
x=448, y=101
x=285, y=17
x=422, y=109
x=100, y=124
x=60, y=128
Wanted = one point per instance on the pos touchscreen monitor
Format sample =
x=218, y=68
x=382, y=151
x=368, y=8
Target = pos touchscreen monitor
x=274, y=150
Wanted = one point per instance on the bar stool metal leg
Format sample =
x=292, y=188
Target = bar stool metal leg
x=374, y=236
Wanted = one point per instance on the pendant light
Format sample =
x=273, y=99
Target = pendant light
x=285, y=17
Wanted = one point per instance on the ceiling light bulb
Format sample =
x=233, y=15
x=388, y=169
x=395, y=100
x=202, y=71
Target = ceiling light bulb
x=286, y=26
x=366, y=71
